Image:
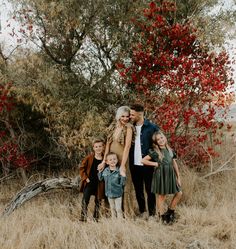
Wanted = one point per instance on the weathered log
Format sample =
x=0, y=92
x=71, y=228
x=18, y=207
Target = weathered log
x=30, y=191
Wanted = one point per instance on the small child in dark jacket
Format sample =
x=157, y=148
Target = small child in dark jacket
x=114, y=184
x=89, y=177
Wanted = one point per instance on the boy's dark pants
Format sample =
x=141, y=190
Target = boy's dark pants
x=142, y=175
x=90, y=189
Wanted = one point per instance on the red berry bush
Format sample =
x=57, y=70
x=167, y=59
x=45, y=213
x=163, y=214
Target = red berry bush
x=181, y=83
x=11, y=155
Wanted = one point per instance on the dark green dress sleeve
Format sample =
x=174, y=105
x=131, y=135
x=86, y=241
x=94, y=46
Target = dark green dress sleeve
x=153, y=154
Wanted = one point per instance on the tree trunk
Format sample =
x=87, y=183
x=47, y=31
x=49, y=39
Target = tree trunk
x=22, y=173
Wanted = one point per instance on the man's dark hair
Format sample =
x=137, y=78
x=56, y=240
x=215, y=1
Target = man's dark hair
x=137, y=107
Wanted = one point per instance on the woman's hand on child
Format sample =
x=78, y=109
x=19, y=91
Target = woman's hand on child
x=87, y=180
x=101, y=166
x=122, y=171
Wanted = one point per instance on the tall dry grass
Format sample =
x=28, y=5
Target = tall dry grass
x=207, y=218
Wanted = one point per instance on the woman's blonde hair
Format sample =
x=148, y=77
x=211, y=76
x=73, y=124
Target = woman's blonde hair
x=156, y=146
x=121, y=110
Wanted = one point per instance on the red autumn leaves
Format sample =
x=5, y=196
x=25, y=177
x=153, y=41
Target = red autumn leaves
x=180, y=81
x=10, y=151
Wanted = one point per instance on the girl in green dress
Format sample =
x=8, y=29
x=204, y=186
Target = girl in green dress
x=166, y=178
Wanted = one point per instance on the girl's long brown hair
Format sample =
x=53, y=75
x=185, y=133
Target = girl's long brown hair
x=156, y=146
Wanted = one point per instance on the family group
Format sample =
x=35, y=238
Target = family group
x=136, y=155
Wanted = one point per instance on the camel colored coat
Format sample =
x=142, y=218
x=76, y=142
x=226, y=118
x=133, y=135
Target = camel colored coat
x=84, y=171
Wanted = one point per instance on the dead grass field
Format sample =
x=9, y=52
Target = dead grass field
x=207, y=217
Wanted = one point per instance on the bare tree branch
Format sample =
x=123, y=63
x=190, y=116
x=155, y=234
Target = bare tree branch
x=223, y=167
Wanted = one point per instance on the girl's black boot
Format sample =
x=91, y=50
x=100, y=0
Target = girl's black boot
x=170, y=213
x=164, y=219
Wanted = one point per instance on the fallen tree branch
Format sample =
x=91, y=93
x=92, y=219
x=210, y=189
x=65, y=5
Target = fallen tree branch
x=37, y=188
x=7, y=177
x=221, y=168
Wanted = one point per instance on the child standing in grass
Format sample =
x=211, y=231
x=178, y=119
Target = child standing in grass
x=90, y=184
x=114, y=184
x=166, y=178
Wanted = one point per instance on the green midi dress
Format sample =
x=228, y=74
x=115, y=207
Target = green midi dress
x=164, y=178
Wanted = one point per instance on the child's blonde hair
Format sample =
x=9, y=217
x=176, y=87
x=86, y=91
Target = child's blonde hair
x=98, y=140
x=156, y=146
x=111, y=153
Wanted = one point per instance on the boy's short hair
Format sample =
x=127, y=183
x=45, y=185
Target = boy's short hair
x=98, y=140
x=137, y=107
x=111, y=153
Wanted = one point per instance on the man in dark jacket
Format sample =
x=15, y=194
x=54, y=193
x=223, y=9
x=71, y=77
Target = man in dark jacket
x=141, y=174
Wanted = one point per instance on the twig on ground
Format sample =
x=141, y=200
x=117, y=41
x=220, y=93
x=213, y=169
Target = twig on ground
x=7, y=177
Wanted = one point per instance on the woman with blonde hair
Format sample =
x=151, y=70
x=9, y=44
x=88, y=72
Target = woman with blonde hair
x=119, y=139
x=166, y=178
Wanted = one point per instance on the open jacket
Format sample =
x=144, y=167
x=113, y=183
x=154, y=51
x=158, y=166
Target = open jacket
x=84, y=171
x=114, y=182
x=147, y=130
